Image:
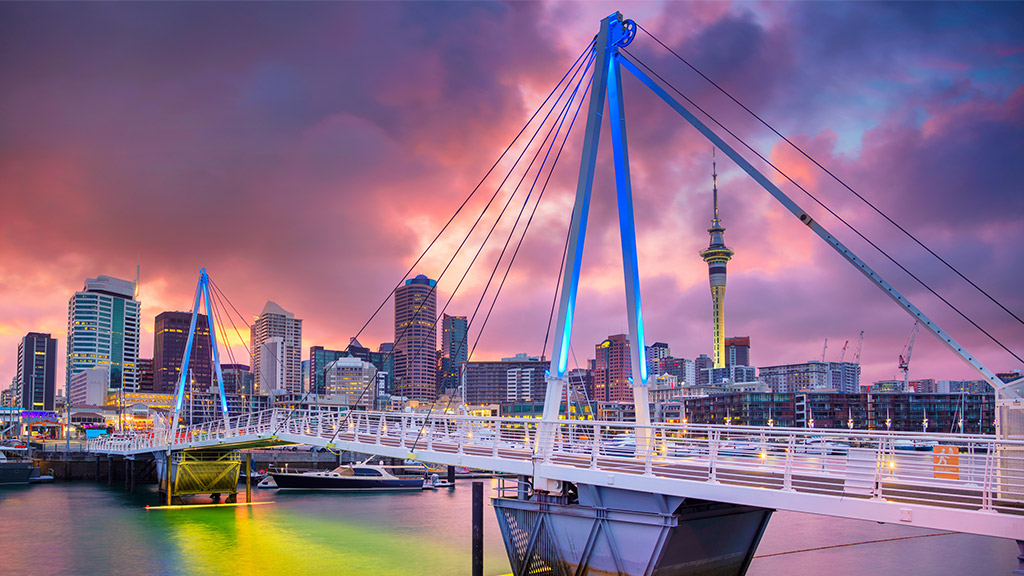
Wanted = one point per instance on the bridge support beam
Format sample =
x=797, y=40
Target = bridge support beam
x=614, y=531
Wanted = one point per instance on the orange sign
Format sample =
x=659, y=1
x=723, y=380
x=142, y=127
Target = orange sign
x=946, y=462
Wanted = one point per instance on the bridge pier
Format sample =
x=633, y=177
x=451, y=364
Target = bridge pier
x=603, y=530
x=110, y=471
x=1020, y=558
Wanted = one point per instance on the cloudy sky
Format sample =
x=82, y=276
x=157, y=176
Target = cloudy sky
x=307, y=153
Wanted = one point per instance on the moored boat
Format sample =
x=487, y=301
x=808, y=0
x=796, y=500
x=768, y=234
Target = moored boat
x=349, y=477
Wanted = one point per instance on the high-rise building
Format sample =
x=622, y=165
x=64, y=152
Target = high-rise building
x=416, y=339
x=612, y=370
x=701, y=364
x=37, y=362
x=655, y=353
x=352, y=379
x=145, y=374
x=237, y=379
x=683, y=369
x=170, y=334
x=717, y=256
x=737, y=351
x=276, y=345
x=319, y=359
x=454, y=341
x=103, y=330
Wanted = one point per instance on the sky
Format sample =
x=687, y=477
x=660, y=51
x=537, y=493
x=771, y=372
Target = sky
x=307, y=153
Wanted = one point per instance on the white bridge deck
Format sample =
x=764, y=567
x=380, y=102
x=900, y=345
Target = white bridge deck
x=972, y=484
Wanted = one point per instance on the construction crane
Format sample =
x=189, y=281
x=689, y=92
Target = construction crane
x=904, y=364
x=842, y=353
x=824, y=349
x=860, y=345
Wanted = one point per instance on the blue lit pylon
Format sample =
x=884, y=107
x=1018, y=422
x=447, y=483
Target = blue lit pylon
x=202, y=292
x=615, y=33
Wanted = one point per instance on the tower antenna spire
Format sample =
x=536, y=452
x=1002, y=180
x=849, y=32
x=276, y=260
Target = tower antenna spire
x=714, y=181
x=717, y=255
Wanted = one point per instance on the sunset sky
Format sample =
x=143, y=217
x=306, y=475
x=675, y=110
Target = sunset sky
x=307, y=153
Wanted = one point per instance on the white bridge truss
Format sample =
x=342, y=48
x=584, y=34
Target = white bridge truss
x=965, y=483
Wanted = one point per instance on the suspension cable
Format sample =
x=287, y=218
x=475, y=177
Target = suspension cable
x=512, y=233
x=833, y=176
x=511, y=196
x=823, y=205
x=475, y=188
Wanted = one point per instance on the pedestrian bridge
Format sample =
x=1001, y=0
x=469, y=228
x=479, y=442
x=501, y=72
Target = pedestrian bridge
x=965, y=483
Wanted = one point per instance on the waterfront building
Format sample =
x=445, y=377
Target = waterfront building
x=146, y=375
x=717, y=256
x=36, y=380
x=925, y=386
x=737, y=351
x=898, y=412
x=276, y=345
x=507, y=381
x=887, y=387
x=170, y=335
x=350, y=381
x=965, y=387
x=812, y=376
x=416, y=339
x=305, y=375
x=103, y=330
x=613, y=370
x=89, y=386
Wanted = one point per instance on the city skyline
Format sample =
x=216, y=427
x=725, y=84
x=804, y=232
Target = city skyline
x=923, y=119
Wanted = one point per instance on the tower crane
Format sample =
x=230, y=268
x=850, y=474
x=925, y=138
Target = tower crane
x=904, y=364
x=842, y=353
x=824, y=349
x=860, y=345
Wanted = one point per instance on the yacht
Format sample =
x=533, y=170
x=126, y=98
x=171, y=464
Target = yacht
x=14, y=467
x=348, y=477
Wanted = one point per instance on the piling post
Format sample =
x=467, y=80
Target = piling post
x=478, y=528
x=131, y=469
x=127, y=486
x=97, y=467
x=110, y=471
x=451, y=475
x=248, y=480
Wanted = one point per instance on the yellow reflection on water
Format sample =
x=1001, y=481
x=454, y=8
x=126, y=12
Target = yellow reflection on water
x=274, y=540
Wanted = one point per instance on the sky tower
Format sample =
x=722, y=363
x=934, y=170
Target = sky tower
x=717, y=256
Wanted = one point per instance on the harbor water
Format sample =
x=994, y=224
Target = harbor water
x=90, y=529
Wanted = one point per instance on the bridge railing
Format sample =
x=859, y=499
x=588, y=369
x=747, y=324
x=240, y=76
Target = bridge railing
x=965, y=471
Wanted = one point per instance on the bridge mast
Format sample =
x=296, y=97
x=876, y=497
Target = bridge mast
x=203, y=292
x=607, y=81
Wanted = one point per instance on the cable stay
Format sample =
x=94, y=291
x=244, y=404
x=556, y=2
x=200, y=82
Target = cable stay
x=579, y=71
x=834, y=176
x=634, y=65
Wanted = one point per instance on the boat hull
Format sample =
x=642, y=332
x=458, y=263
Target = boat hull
x=15, y=472
x=290, y=481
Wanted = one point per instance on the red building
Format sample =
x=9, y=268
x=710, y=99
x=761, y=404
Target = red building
x=613, y=370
